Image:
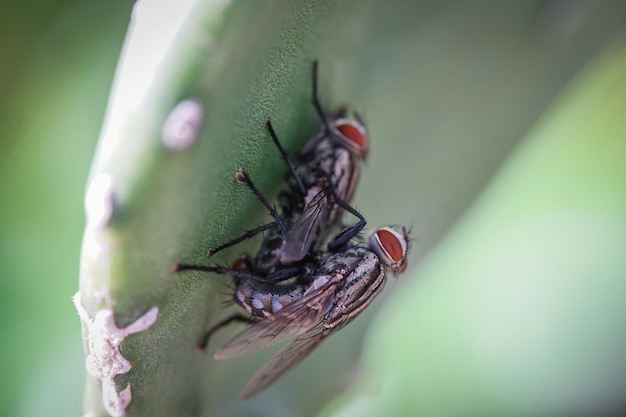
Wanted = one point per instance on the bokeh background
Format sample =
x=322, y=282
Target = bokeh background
x=468, y=79
x=58, y=61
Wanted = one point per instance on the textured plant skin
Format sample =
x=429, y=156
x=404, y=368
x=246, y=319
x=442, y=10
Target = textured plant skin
x=156, y=203
x=150, y=205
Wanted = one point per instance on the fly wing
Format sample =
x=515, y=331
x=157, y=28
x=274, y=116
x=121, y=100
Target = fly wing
x=304, y=231
x=294, y=320
x=284, y=360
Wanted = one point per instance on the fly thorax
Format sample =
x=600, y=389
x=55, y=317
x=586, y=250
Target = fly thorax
x=345, y=174
x=341, y=262
x=361, y=273
x=310, y=155
x=364, y=281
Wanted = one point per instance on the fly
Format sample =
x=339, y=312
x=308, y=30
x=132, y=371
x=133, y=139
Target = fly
x=330, y=159
x=318, y=190
x=340, y=286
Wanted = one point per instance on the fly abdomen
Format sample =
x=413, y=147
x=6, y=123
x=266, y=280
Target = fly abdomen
x=263, y=300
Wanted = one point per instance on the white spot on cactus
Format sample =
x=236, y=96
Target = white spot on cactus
x=104, y=359
x=181, y=127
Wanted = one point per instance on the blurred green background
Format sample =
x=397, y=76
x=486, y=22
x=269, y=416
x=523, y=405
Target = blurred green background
x=58, y=61
x=456, y=86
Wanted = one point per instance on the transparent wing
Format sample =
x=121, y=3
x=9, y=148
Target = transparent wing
x=294, y=320
x=284, y=360
x=304, y=231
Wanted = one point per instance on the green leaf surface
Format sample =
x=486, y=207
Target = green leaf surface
x=150, y=204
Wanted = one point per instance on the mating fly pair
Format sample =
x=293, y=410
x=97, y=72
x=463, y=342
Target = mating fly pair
x=302, y=284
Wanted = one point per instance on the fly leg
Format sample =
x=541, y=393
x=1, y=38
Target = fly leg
x=276, y=276
x=235, y=273
x=243, y=177
x=316, y=101
x=285, y=156
x=247, y=235
x=284, y=274
x=312, y=144
x=237, y=317
x=348, y=233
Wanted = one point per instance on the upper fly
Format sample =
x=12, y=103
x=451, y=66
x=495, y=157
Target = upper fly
x=318, y=190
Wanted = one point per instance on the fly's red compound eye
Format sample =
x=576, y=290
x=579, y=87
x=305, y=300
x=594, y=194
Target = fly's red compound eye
x=351, y=132
x=353, y=136
x=390, y=243
x=391, y=248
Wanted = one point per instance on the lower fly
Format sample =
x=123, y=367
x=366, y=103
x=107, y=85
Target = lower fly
x=340, y=286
